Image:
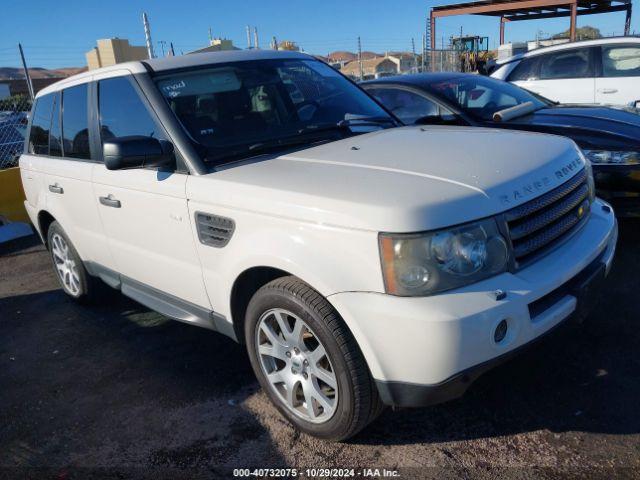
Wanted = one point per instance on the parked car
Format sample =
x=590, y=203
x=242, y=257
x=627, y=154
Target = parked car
x=358, y=267
x=608, y=137
x=603, y=71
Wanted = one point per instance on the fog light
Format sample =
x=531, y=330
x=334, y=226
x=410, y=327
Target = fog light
x=501, y=331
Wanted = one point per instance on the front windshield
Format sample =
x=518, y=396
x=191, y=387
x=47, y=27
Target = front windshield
x=481, y=97
x=242, y=104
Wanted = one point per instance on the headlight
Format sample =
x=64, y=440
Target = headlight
x=607, y=157
x=426, y=263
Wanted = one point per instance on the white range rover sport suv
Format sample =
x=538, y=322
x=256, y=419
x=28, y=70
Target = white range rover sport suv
x=264, y=195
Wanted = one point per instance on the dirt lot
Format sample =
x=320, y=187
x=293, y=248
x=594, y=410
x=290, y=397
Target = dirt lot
x=120, y=391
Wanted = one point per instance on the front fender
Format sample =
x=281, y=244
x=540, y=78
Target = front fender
x=330, y=259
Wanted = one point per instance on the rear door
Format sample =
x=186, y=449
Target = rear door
x=565, y=76
x=144, y=211
x=59, y=154
x=619, y=79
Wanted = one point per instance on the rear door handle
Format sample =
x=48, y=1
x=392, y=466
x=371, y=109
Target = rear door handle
x=56, y=189
x=109, y=201
x=607, y=90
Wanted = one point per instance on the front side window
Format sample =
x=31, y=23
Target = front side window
x=406, y=105
x=621, y=61
x=576, y=63
x=122, y=112
x=481, y=97
x=236, y=106
x=75, y=122
x=40, y=125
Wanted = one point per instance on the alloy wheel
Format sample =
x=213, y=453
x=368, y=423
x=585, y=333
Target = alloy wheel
x=65, y=265
x=296, y=365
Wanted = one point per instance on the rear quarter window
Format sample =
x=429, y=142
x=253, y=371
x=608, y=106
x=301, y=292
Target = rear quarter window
x=40, y=125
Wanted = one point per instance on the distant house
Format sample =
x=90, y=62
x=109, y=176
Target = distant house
x=371, y=68
x=405, y=61
x=217, y=45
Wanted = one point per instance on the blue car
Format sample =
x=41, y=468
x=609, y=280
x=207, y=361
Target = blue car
x=609, y=137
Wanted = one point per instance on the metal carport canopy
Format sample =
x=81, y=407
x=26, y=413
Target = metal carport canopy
x=516, y=10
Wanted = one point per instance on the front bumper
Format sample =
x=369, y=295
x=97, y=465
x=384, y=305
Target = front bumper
x=428, y=350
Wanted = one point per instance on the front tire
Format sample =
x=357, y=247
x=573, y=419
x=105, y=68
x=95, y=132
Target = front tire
x=70, y=270
x=308, y=362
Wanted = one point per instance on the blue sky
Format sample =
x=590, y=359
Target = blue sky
x=57, y=33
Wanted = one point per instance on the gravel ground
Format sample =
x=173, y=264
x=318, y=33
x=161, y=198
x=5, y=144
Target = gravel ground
x=120, y=391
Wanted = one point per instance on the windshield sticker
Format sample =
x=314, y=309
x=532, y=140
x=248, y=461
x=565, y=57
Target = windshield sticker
x=321, y=68
x=223, y=80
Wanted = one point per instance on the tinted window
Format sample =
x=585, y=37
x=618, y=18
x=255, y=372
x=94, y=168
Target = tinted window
x=40, y=125
x=122, y=112
x=75, y=124
x=55, y=135
x=566, y=64
x=527, y=69
x=407, y=105
x=621, y=61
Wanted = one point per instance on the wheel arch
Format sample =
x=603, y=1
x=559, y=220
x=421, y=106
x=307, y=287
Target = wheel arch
x=45, y=219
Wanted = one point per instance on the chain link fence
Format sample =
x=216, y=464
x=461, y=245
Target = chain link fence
x=443, y=61
x=14, y=115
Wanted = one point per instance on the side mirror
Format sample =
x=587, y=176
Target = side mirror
x=137, y=152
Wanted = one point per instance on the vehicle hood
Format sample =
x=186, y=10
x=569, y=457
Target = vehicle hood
x=589, y=126
x=398, y=180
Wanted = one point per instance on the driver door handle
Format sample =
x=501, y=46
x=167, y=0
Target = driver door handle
x=109, y=201
x=607, y=90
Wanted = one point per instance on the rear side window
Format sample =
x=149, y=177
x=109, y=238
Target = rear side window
x=621, y=61
x=576, y=63
x=75, y=123
x=40, y=126
x=55, y=134
x=122, y=112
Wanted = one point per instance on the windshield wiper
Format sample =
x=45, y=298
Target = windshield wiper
x=302, y=136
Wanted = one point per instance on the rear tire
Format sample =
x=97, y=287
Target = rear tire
x=70, y=270
x=308, y=362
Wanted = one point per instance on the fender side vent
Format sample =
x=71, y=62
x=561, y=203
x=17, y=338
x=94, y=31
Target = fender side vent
x=213, y=230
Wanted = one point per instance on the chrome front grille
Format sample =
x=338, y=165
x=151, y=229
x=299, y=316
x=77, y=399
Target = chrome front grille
x=538, y=224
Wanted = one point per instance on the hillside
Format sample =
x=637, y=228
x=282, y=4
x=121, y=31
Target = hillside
x=12, y=73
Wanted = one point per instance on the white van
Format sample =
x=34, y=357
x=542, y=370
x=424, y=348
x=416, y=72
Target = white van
x=604, y=71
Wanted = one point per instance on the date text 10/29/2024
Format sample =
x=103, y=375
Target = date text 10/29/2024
x=315, y=473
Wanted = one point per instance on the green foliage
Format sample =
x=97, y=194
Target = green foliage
x=16, y=103
x=582, y=33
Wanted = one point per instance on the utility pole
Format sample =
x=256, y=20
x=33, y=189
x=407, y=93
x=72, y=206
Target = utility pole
x=360, y=59
x=26, y=73
x=255, y=38
x=171, y=50
x=424, y=50
x=248, y=37
x=147, y=35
